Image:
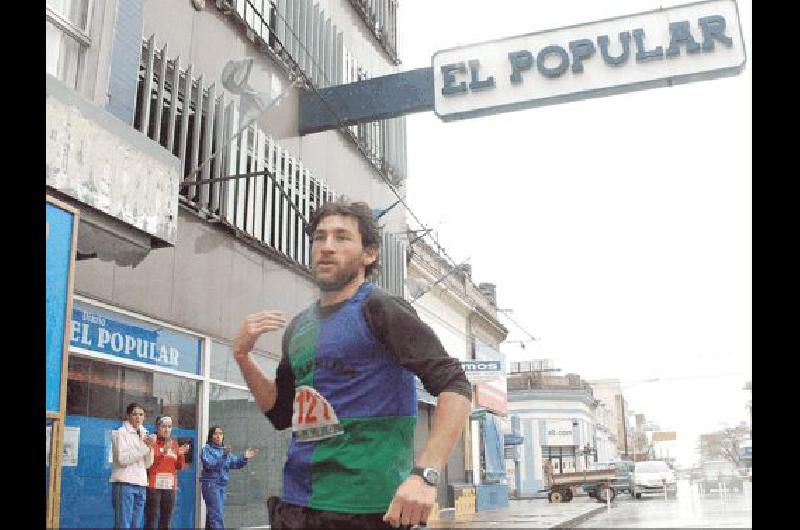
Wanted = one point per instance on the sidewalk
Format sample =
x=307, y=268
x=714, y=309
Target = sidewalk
x=530, y=513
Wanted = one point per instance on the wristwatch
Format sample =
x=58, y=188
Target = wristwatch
x=429, y=474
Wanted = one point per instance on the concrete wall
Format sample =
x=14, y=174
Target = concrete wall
x=207, y=283
x=100, y=161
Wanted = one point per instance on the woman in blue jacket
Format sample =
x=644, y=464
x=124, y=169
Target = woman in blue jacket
x=217, y=461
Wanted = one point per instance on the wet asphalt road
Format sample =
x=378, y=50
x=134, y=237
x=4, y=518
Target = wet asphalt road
x=689, y=510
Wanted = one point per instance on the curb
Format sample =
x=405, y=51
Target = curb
x=580, y=518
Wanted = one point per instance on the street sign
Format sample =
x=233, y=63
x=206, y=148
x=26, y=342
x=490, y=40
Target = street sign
x=658, y=48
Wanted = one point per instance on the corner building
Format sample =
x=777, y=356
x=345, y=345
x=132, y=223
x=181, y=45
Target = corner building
x=138, y=97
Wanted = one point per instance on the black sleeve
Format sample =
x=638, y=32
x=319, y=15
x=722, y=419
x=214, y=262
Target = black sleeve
x=417, y=348
x=281, y=413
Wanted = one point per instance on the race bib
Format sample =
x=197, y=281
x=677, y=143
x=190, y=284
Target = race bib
x=165, y=481
x=313, y=418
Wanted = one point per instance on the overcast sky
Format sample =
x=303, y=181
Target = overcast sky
x=627, y=255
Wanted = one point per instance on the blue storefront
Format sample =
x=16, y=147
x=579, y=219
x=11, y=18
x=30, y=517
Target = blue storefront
x=116, y=358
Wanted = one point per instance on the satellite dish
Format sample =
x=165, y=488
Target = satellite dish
x=415, y=286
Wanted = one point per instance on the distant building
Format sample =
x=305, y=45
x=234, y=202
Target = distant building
x=614, y=409
x=464, y=317
x=557, y=421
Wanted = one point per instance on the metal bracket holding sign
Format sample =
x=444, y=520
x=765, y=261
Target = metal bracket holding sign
x=659, y=48
x=61, y=235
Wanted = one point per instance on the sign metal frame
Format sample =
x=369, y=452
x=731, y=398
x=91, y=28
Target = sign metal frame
x=582, y=94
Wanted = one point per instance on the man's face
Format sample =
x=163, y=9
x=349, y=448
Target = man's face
x=136, y=418
x=337, y=254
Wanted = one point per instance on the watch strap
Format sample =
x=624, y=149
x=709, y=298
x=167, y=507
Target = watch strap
x=420, y=472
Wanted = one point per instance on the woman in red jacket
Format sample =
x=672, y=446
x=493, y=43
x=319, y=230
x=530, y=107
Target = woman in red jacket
x=162, y=476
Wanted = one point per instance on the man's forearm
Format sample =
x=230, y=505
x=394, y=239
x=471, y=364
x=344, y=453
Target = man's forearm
x=449, y=417
x=264, y=389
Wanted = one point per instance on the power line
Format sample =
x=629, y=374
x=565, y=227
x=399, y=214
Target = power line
x=505, y=313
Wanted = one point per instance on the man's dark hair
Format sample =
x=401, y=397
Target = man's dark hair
x=367, y=224
x=130, y=408
x=211, y=432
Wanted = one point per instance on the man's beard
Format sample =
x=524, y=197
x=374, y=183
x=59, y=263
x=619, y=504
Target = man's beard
x=339, y=281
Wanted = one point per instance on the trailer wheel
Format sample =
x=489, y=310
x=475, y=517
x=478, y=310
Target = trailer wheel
x=603, y=493
x=555, y=496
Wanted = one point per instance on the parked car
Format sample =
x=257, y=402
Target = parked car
x=624, y=469
x=653, y=476
x=719, y=474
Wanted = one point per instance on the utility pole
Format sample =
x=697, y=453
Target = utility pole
x=624, y=426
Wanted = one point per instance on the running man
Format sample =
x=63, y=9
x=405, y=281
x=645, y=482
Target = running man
x=345, y=385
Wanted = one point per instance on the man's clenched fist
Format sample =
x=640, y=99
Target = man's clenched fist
x=411, y=504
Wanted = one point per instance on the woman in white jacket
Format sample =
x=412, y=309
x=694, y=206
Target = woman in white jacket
x=132, y=455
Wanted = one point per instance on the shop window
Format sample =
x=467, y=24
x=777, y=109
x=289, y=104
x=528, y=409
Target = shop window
x=562, y=457
x=102, y=390
x=245, y=426
x=97, y=394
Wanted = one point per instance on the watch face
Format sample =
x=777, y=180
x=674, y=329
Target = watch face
x=431, y=475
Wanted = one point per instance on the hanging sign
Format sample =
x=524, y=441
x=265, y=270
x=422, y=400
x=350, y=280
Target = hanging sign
x=658, y=48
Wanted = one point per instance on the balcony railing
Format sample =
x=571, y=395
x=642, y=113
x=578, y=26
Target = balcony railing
x=175, y=108
x=305, y=41
x=380, y=16
x=188, y=118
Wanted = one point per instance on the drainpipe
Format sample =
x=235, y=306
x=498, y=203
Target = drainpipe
x=468, y=471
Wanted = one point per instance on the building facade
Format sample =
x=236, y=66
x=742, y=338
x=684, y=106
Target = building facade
x=612, y=412
x=145, y=102
x=464, y=317
x=557, y=422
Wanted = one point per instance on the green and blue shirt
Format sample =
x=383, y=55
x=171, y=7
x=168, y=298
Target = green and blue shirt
x=361, y=355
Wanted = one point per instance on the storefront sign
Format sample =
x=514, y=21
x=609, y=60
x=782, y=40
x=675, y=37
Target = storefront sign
x=60, y=225
x=681, y=44
x=482, y=371
x=560, y=433
x=103, y=331
x=491, y=397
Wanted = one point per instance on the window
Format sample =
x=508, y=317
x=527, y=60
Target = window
x=97, y=389
x=67, y=27
x=563, y=458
